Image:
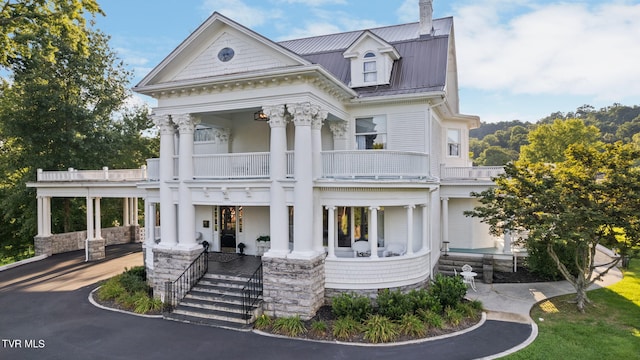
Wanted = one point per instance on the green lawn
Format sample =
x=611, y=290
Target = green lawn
x=610, y=327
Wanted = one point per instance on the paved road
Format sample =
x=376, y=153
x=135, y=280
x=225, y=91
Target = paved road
x=44, y=309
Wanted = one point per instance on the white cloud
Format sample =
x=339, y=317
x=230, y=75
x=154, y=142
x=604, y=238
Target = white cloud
x=408, y=11
x=559, y=48
x=329, y=22
x=313, y=2
x=239, y=11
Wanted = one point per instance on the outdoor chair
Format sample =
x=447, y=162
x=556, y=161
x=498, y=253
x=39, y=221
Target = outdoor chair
x=468, y=276
x=361, y=249
x=394, y=249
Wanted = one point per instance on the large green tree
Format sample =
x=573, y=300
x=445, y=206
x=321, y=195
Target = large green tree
x=36, y=26
x=592, y=197
x=60, y=114
x=548, y=142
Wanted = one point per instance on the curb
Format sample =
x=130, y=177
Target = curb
x=95, y=303
x=23, y=262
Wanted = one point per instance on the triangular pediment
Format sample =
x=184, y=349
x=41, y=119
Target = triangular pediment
x=369, y=41
x=221, y=47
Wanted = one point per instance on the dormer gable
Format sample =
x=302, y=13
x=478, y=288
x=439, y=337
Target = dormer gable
x=371, y=60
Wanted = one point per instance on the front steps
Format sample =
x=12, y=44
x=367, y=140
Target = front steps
x=446, y=264
x=216, y=300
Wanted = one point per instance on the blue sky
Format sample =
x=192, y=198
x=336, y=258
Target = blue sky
x=517, y=59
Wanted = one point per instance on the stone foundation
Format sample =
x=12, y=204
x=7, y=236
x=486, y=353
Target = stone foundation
x=42, y=245
x=168, y=265
x=372, y=294
x=293, y=286
x=72, y=241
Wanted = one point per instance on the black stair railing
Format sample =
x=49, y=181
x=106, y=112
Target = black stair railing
x=178, y=289
x=251, y=293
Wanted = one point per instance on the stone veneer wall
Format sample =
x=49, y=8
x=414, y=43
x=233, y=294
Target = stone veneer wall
x=72, y=241
x=168, y=265
x=293, y=286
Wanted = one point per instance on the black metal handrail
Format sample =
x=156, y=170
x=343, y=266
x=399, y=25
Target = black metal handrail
x=251, y=292
x=178, y=289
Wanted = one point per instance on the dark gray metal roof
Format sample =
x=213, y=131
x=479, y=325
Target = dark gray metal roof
x=421, y=68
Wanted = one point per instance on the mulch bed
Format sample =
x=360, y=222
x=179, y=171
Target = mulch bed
x=523, y=275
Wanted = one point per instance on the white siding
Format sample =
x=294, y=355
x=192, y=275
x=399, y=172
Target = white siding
x=407, y=131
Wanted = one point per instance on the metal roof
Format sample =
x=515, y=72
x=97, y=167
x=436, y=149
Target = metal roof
x=421, y=68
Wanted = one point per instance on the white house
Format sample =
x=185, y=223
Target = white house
x=347, y=150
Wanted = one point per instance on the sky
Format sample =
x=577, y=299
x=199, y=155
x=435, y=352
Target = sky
x=517, y=59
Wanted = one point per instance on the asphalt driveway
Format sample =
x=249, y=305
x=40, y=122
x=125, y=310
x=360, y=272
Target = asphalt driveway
x=45, y=314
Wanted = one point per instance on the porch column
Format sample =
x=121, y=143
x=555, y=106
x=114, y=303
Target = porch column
x=40, y=216
x=98, y=228
x=168, y=210
x=278, y=211
x=426, y=229
x=445, y=220
x=507, y=242
x=410, y=229
x=316, y=149
x=186, y=211
x=331, y=231
x=126, y=218
x=47, y=215
x=89, y=203
x=373, y=231
x=303, y=115
x=149, y=231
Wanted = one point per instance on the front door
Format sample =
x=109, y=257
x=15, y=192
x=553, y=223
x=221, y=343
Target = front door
x=228, y=221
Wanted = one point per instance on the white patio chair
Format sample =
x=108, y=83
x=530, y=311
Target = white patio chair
x=394, y=249
x=468, y=276
x=361, y=249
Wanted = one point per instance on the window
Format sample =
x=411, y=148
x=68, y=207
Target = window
x=353, y=225
x=370, y=71
x=453, y=142
x=371, y=133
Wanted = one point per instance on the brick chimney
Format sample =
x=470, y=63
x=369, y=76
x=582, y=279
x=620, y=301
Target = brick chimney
x=426, y=17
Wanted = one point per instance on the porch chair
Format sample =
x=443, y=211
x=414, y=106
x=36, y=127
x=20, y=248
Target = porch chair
x=394, y=249
x=361, y=248
x=468, y=276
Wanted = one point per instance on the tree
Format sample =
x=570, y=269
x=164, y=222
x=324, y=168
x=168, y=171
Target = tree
x=496, y=156
x=29, y=26
x=548, y=142
x=590, y=198
x=60, y=114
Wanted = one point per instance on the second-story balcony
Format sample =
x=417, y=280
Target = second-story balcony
x=355, y=164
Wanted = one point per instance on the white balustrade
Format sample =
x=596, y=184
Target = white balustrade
x=470, y=172
x=93, y=175
x=374, y=164
x=228, y=166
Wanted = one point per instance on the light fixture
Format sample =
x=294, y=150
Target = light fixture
x=260, y=116
x=445, y=248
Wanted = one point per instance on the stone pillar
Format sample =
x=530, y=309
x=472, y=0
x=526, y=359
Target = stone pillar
x=445, y=220
x=278, y=211
x=42, y=241
x=410, y=229
x=293, y=286
x=373, y=231
x=331, y=230
x=168, y=265
x=168, y=234
x=303, y=115
x=94, y=247
x=186, y=211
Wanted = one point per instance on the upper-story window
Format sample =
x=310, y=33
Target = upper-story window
x=370, y=68
x=371, y=133
x=453, y=142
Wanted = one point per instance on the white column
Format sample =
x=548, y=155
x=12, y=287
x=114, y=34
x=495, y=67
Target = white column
x=410, y=229
x=303, y=115
x=373, y=231
x=40, y=216
x=126, y=217
x=507, y=242
x=426, y=228
x=89, y=227
x=134, y=211
x=278, y=211
x=98, y=230
x=186, y=211
x=150, y=222
x=316, y=142
x=167, y=209
x=47, y=215
x=445, y=220
x=331, y=230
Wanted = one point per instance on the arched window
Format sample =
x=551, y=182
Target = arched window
x=370, y=69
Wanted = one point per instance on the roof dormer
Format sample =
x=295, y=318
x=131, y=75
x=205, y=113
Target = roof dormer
x=371, y=60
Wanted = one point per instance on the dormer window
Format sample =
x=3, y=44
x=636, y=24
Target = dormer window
x=370, y=67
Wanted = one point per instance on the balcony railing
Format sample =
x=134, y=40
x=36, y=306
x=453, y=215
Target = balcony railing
x=470, y=173
x=374, y=164
x=231, y=166
x=93, y=175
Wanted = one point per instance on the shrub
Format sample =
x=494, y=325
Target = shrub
x=134, y=280
x=393, y=304
x=144, y=303
x=422, y=299
x=412, y=325
x=290, y=326
x=430, y=318
x=378, y=328
x=453, y=316
x=263, y=322
x=467, y=309
x=345, y=327
x=111, y=289
x=319, y=327
x=448, y=290
x=540, y=262
x=355, y=306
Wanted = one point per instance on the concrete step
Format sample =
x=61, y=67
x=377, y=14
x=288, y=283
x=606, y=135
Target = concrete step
x=232, y=316
x=209, y=322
